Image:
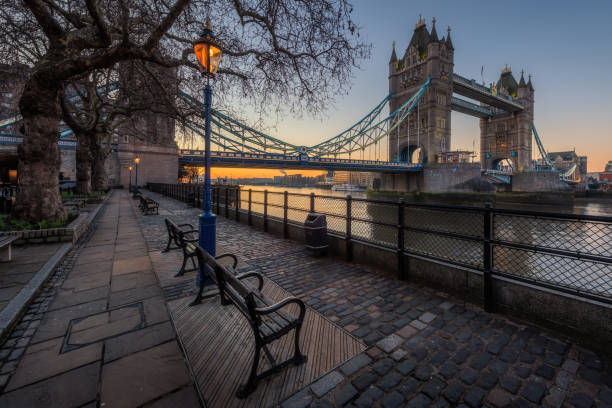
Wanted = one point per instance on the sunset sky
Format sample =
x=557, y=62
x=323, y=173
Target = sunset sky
x=564, y=45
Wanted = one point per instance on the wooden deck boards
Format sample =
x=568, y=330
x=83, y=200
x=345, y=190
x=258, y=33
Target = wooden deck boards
x=219, y=346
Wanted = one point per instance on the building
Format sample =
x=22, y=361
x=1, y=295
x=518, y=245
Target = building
x=605, y=177
x=352, y=177
x=427, y=131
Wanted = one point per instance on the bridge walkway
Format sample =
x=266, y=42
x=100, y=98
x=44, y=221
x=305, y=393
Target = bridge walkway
x=423, y=346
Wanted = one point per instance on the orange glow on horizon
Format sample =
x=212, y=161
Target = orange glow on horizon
x=237, y=172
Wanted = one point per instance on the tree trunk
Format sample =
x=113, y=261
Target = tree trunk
x=99, y=178
x=83, y=164
x=38, y=196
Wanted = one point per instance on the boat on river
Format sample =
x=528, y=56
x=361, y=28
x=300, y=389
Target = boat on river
x=347, y=187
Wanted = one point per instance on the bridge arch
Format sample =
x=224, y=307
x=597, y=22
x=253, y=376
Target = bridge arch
x=503, y=164
x=413, y=154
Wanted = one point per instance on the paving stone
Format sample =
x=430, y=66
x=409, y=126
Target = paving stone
x=364, y=380
x=427, y=317
x=325, y=384
x=406, y=367
x=498, y=367
x=408, y=386
x=487, y=380
x=355, y=364
x=545, y=371
x=418, y=401
x=390, y=380
x=364, y=331
x=418, y=324
x=499, y=398
x=398, y=354
x=553, y=359
x=165, y=371
x=392, y=400
x=453, y=392
x=372, y=338
x=563, y=379
x=534, y=391
x=571, y=366
x=480, y=361
x=43, y=360
x=443, y=403
x=383, y=366
x=423, y=373
x=390, y=342
x=605, y=395
x=433, y=388
x=468, y=376
x=70, y=389
x=510, y=384
x=300, y=400
x=580, y=400
x=407, y=331
x=447, y=305
x=345, y=394
x=369, y=397
x=138, y=340
x=555, y=397
x=522, y=371
x=473, y=397
x=590, y=375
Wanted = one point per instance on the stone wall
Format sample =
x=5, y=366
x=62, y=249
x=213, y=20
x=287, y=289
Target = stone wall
x=438, y=178
x=532, y=181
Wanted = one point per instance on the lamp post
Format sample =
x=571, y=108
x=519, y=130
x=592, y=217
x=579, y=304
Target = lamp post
x=130, y=185
x=208, y=53
x=136, y=161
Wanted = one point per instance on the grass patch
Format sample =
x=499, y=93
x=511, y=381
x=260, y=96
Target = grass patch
x=8, y=223
x=71, y=195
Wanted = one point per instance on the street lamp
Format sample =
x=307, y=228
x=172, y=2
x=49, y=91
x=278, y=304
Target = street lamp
x=136, y=160
x=130, y=185
x=208, y=53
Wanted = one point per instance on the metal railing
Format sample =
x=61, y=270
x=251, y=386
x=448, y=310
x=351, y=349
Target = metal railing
x=566, y=252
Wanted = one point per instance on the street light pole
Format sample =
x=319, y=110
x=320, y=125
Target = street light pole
x=208, y=222
x=136, y=160
x=130, y=185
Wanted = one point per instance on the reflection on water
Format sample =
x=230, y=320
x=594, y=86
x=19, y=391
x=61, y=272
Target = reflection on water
x=369, y=221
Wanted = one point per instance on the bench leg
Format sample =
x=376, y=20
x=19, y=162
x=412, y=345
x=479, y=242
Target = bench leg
x=298, y=357
x=167, y=249
x=181, y=272
x=5, y=253
x=246, y=389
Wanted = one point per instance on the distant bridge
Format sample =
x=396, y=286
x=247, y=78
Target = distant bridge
x=301, y=161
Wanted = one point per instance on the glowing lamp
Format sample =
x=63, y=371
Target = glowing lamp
x=137, y=160
x=208, y=52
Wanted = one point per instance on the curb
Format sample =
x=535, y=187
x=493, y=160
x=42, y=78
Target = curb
x=10, y=315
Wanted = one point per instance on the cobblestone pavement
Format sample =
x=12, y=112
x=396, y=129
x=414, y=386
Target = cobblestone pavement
x=99, y=333
x=426, y=349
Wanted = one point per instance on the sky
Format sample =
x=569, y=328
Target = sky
x=564, y=45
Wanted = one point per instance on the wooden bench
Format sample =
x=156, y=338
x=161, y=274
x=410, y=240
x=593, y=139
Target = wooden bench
x=5, y=247
x=148, y=205
x=266, y=317
x=185, y=239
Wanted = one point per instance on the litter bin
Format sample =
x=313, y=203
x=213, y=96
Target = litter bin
x=315, y=233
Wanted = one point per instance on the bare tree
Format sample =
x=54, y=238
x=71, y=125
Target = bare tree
x=293, y=54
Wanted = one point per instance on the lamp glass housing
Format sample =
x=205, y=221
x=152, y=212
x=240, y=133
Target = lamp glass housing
x=137, y=160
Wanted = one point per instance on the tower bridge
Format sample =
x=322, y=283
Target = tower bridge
x=402, y=138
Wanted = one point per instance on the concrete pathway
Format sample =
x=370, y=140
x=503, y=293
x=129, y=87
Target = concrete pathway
x=103, y=337
x=426, y=348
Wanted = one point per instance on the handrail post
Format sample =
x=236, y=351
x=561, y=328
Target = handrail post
x=250, y=219
x=226, y=202
x=312, y=202
x=285, y=211
x=488, y=259
x=401, y=273
x=265, y=211
x=237, y=203
x=218, y=200
x=349, y=249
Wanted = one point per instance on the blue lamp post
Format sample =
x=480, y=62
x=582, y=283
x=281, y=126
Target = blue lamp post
x=208, y=53
x=136, y=160
x=130, y=185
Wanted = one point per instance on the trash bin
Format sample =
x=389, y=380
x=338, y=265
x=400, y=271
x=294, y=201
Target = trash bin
x=315, y=233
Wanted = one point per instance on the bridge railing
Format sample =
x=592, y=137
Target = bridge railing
x=569, y=253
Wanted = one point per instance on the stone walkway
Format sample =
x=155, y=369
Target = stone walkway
x=99, y=335
x=426, y=349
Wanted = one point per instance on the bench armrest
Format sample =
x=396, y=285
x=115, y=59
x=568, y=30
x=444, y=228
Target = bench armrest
x=235, y=260
x=185, y=225
x=191, y=231
x=285, y=302
x=252, y=275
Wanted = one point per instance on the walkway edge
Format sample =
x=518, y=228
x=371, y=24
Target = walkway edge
x=11, y=314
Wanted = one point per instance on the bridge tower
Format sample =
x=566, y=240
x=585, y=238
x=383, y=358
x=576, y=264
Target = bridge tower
x=429, y=126
x=507, y=135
